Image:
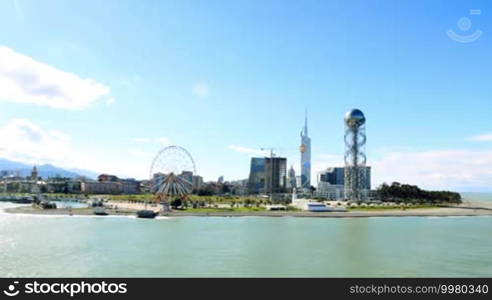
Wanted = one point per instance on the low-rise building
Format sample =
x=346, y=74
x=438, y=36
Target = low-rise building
x=96, y=187
x=329, y=191
x=122, y=186
x=107, y=177
x=129, y=186
x=61, y=186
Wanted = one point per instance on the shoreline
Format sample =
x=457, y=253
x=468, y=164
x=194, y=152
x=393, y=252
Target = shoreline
x=417, y=212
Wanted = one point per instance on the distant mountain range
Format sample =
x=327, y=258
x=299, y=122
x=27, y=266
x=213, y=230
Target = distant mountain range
x=45, y=171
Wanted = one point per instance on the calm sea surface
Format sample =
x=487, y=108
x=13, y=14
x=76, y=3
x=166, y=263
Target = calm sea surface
x=51, y=246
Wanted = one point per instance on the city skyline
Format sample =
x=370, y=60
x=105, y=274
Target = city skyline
x=223, y=86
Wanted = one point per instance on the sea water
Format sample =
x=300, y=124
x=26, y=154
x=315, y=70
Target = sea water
x=94, y=246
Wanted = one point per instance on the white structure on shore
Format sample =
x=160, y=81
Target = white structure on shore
x=314, y=205
x=311, y=205
x=330, y=191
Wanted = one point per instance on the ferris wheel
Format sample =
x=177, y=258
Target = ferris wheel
x=171, y=173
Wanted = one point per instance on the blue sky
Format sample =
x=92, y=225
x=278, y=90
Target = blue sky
x=115, y=81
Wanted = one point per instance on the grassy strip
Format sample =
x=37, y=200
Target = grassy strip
x=213, y=210
x=205, y=199
x=381, y=207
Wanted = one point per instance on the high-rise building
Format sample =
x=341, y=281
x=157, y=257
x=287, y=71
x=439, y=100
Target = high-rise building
x=366, y=178
x=305, y=156
x=336, y=176
x=197, y=182
x=291, y=181
x=221, y=179
x=256, y=180
x=267, y=174
x=332, y=176
x=275, y=174
x=188, y=176
x=298, y=181
x=331, y=182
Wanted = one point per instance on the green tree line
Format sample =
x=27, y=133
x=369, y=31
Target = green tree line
x=412, y=193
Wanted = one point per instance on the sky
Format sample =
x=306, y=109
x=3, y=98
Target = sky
x=104, y=85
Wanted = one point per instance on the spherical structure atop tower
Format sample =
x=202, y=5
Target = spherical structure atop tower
x=355, y=157
x=355, y=118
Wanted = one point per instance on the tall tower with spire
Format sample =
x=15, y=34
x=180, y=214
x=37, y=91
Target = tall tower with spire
x=34, y=173
x=305, y=155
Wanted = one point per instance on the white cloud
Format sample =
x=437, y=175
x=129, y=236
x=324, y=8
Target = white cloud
x=26, y=80
x=140, y=153
x=22, y=140
x=454, y=169
x=324, y=161
x=486, y=137
x=201, y=89
x=110, y=101
x=141, y=140
x=247, y=150
x=437, y=169
x=161, y=140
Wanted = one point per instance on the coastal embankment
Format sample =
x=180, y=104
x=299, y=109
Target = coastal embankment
x=466, y=209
